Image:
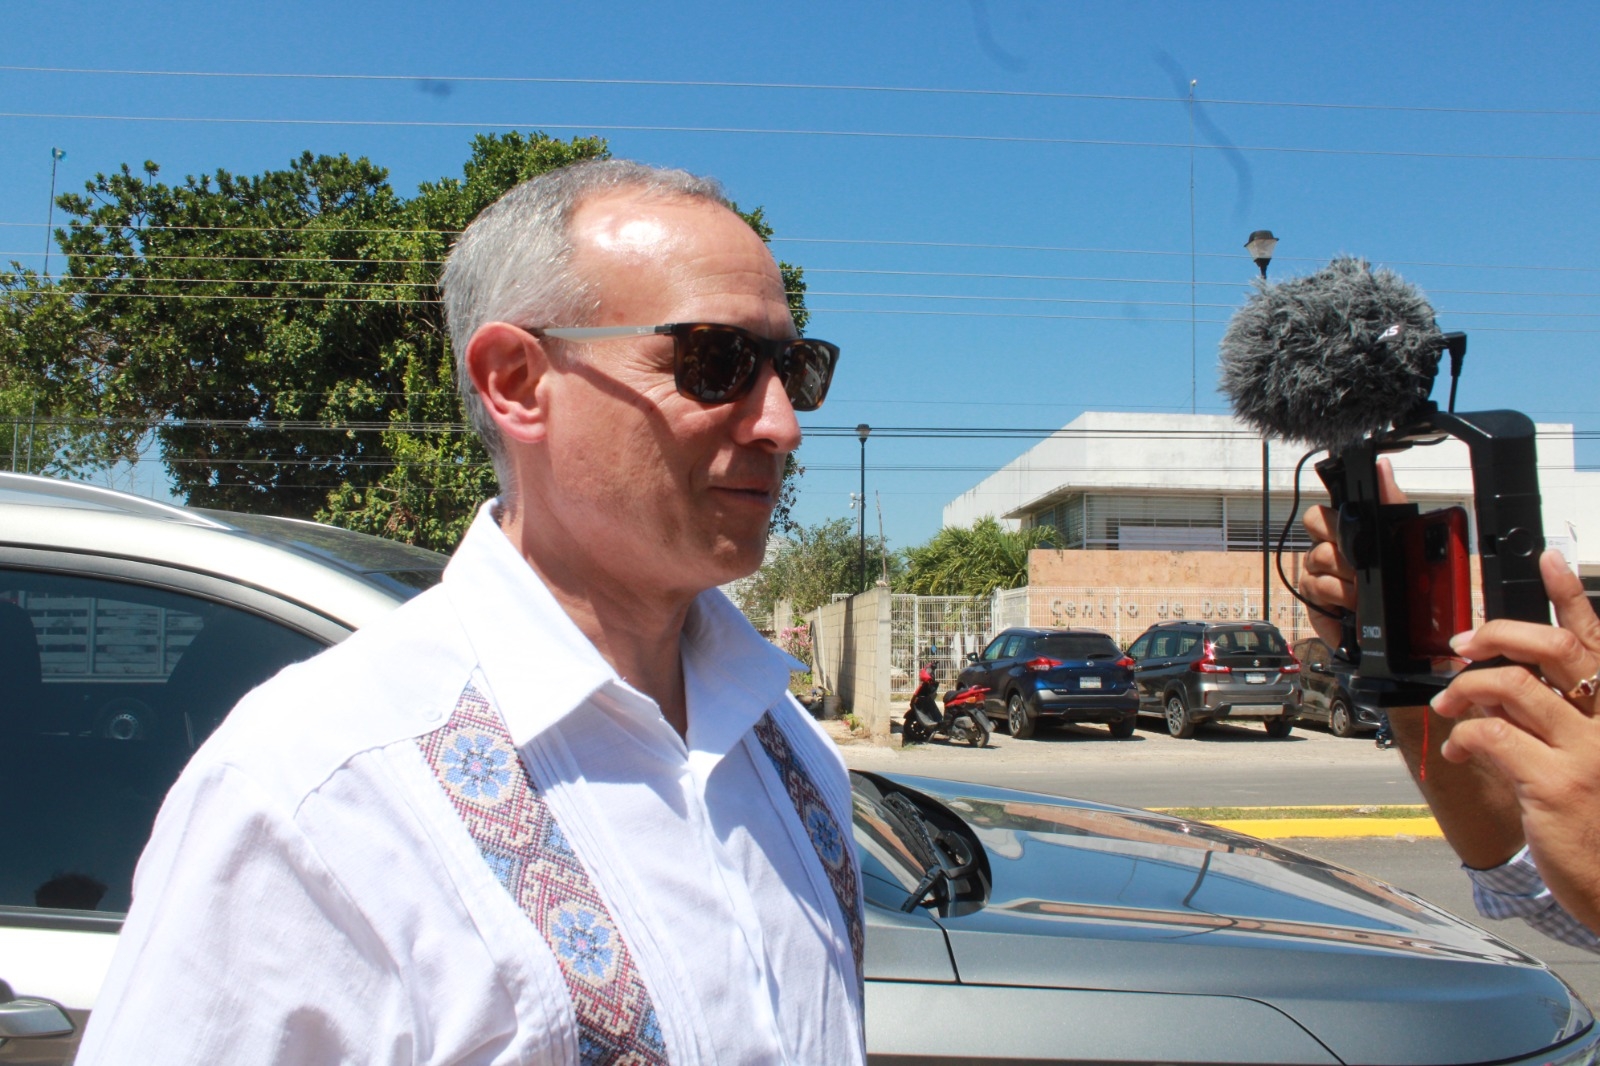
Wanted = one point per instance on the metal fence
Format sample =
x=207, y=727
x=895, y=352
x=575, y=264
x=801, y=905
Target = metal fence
x=944, y=629
x=936, y=629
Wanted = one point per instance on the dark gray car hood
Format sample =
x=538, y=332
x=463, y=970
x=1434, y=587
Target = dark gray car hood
x=1091, y=896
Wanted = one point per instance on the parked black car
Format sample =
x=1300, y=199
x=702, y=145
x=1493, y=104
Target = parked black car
x=1055, y=675
x=1325, y=691
x=1195, y=671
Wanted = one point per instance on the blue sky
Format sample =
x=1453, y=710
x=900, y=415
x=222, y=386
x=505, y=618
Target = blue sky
x=1005, y=247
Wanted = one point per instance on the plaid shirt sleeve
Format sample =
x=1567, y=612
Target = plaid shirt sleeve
x=1515, y=890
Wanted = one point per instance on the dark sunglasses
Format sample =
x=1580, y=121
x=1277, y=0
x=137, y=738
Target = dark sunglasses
x=719, y=364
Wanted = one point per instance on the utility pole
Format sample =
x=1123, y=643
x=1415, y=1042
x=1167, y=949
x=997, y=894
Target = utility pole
x=861, y=561
x=56, y=156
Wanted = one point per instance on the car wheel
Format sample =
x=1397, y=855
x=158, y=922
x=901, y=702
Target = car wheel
x=1179, y=724
x=1122, y=728
x=1340, y=721
x=1017, y=717
x=1280, y=727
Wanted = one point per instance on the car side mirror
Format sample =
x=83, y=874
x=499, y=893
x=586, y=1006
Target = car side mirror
x=972, y=656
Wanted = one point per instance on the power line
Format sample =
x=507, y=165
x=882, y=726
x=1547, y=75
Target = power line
x=807, y=87
x=399, y=301
x=915, y=432
x=316, y=228
x=809, y=270
x=893, y=135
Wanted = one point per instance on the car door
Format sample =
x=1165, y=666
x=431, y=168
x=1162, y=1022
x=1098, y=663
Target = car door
x=111, y=673
x=1137, y=651
x=1157, y=669
x=1316, y=679
x=979, y=668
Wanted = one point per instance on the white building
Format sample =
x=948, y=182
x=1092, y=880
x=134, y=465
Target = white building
x=1164, y=482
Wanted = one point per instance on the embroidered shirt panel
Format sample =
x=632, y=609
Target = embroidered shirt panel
x=475, y=762
x=835, y=847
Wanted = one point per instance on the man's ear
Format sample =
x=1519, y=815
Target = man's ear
x=509, y=367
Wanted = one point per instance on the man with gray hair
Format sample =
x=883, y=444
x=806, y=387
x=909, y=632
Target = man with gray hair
x=560, y=808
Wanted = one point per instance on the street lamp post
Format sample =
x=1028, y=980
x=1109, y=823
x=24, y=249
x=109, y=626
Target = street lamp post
x=1260, y=245
x=861, y=563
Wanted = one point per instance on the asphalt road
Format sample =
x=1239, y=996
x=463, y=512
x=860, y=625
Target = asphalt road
x=1223, y=766
x=1237, y=766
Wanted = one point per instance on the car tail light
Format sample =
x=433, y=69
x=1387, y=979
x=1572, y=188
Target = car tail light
x=1043, y=663
x=1208, y=664
x=1126, y=663
x=1292, y=668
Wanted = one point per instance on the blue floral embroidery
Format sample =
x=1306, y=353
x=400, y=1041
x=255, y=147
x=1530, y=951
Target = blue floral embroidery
x=824, y=835
x=505, y=868
x=584, y=941
x=477, y=766
x=650, y=1032
x=556, y=841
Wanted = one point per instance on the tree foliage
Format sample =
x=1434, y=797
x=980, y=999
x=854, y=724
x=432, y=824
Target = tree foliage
x=817, y=562
x=280, y=334
x=974, y=561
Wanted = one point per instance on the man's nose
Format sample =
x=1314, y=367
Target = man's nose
x=769, y=418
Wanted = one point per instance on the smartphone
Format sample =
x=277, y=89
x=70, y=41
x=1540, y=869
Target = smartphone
x=1438, y=580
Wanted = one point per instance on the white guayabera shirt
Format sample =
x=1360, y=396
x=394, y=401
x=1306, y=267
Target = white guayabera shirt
x=312, y=893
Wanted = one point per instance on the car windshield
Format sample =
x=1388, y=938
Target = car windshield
x=1077, y=646
x=400, y=569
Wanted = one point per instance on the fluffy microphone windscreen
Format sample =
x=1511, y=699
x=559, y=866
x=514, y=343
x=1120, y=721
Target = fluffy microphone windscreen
x=1332, y=356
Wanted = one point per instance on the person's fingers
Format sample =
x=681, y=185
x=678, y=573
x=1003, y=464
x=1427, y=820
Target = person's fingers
x=1515, y=754
x=1322, y=524
x=1388, y=488
x=1561, y=657
x=1574, y=612
x=1326, y=560
x=1515, y=694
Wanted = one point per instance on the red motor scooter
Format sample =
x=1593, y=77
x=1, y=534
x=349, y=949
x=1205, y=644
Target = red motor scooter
x=963, y=718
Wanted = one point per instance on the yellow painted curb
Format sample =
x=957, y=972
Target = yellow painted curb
x=1281, y=828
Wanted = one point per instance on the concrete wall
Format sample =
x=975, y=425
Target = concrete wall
x=1141, y=569
x=850, y=646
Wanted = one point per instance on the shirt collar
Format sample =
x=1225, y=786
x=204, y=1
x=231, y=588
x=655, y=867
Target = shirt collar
x=539, y=667
x=732, y=675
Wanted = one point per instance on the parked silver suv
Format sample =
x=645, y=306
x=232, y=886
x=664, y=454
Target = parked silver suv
x=1195, y=672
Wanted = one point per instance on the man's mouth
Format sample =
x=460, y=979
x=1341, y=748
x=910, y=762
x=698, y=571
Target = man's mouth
x=753, y=493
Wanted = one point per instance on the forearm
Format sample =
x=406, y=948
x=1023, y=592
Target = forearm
x=1474, y=806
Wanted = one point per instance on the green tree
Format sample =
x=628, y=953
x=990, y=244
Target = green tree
x=817, y=562
x=42, y=411
x=280, y=334
x=974, y=561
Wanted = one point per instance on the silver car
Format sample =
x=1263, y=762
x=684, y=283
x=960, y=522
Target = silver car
x=1002, y=927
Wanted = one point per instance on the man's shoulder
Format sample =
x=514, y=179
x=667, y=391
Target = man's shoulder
x=392, y=680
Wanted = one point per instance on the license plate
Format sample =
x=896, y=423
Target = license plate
x=1255, y=679
x=1088, y=682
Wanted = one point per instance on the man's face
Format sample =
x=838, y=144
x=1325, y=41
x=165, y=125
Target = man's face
x=657, y=490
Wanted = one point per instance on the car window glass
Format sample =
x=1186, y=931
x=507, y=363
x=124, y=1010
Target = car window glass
x=1186, y=642
x=1161, y=646
x=1077, y=646
x=1139, y=647
x=106, y=689
x=1014, y=646
x=996, y=646
x=1250, y=642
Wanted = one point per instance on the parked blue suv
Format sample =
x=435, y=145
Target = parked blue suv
x=1055, y=675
